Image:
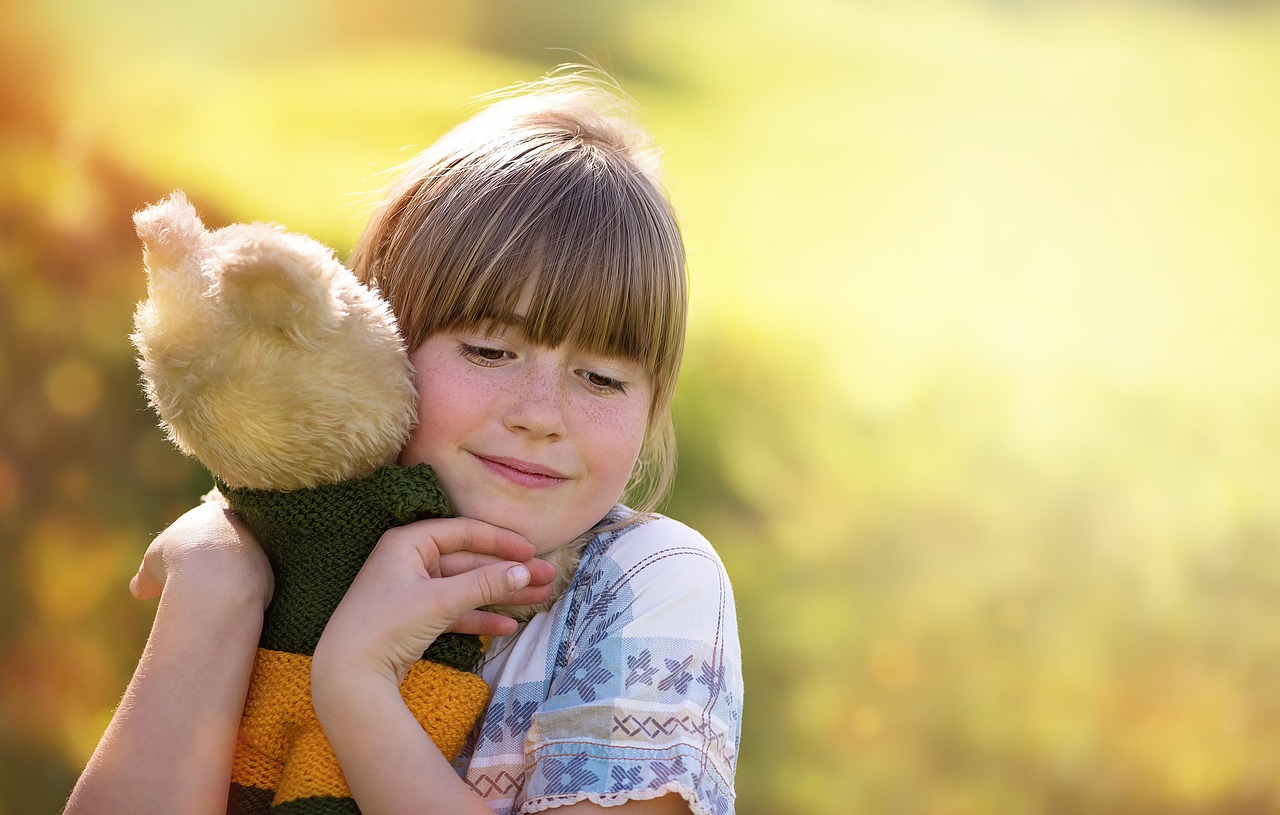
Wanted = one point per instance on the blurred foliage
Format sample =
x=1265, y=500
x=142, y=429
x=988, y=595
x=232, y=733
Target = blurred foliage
x=978, y=406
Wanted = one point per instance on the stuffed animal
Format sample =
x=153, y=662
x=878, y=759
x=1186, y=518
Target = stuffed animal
x=268, y=361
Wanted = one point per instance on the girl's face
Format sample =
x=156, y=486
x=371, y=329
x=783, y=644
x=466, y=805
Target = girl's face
x=538, y=440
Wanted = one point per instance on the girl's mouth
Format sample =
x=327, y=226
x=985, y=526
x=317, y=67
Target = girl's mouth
x=523, y=473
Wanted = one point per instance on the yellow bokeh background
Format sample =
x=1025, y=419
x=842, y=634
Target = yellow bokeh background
x=979, y=405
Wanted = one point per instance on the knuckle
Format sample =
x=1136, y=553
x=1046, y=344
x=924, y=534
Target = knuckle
x=492, y=588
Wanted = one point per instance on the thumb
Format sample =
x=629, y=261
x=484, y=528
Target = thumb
x=487, y=585
x=143, y=586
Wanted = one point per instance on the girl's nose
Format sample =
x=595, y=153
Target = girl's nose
x=537, y=403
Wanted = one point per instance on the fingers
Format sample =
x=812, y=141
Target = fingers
x=492, y=624
x=484, y=624
x=146, y=583
x=540, y=571
x=394, y=610
x=143, y=586
x=469, y=563
x=502, y=583
x=427, y=578
x=454, y=535
x=484, y=586
x=528, y=596
x=208, y=546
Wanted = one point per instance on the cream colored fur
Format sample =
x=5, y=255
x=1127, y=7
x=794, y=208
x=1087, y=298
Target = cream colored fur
x=269, y=362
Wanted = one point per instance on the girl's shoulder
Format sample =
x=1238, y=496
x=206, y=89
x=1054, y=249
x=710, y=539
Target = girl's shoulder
x=653, y=532
x=653, y=543
x=656, y=565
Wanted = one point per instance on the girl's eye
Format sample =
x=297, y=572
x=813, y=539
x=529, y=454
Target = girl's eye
x=604, y=384
x=482, y=355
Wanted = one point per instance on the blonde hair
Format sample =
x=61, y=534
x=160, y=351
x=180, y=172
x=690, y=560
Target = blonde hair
x=552, y=189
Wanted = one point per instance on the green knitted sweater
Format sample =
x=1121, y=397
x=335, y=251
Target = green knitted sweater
x=317, y=539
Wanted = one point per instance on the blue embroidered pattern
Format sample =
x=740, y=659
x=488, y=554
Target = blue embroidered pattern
x=585, y=674
x=568, y=776
x=678, y=677
x=640, y=671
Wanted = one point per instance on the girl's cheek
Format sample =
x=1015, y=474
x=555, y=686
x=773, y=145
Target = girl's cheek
x=625, y=428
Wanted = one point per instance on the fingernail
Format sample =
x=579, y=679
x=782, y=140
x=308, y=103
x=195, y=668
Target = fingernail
x=518, y=575
x=133, y=586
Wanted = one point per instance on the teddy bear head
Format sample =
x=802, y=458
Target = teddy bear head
x=264, y=357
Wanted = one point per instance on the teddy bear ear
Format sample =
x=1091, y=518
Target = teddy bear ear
x=169, y=224
x=173, y=247
x=279, y=281
x=170, y=229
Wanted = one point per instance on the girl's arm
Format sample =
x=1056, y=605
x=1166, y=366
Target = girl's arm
x=169, y=745
x=420, y=581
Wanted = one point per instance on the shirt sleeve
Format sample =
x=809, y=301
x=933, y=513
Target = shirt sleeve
x=646, y=696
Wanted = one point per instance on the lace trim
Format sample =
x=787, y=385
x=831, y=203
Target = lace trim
x=614, y=799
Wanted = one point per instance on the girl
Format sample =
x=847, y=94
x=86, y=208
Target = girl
x=537, y=272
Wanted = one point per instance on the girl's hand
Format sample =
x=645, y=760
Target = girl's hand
x=208, y=544
x=422, y=580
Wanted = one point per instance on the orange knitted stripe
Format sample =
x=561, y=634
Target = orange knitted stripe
x=281, y=746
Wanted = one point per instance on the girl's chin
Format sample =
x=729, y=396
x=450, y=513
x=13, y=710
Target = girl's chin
x=543, y=543
x=532, y=526
x=535, y=533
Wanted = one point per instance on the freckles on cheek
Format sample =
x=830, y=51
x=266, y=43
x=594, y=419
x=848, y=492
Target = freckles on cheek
x=624, y=429
x=452, y=407
x=437, y=375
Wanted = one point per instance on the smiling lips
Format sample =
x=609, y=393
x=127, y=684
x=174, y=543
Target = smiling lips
x=523, y=473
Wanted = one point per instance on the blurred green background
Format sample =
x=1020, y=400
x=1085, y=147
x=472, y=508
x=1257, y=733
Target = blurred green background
x=980, y=404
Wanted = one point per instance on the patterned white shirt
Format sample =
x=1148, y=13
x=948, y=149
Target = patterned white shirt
x=630, y=687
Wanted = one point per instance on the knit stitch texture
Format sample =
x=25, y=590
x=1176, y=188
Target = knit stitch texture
x=317, y=539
